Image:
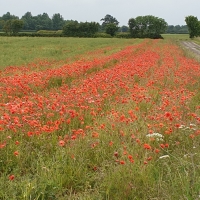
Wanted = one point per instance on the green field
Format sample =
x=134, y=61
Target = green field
x=16, y=51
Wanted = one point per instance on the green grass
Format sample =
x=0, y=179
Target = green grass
x=16, y=51
x=176, y=36
x=197, y=40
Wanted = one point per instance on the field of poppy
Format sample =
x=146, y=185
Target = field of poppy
x=121, y=121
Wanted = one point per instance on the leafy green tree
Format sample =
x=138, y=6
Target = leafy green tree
x=108, y=19
x=2, y=22
x=17, y=26
x=193, y=26
x=43, y=22
x=177, y=29
x=147, y=26
x=13, y=26
x=7, y=28
x=29, y=21
x=82, y=29
x=170, y=29
x=8, y=16
x=111, y=29
x=71, y=29
x=57, y=22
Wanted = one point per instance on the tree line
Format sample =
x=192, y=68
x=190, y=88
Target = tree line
x=171, y=29
x=141, y=26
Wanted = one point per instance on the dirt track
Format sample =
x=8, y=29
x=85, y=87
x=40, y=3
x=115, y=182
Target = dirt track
x=192, y=46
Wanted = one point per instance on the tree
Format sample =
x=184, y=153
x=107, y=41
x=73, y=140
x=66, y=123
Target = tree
x=71, y=29
x=57, y=21
x=111, y=29
x=43, y=22
x=147, y=26
x=124, y=29
x=82, y=29
x=193, y=26
x=8, y=16
x=2, y=22
x=13, y=26
x=108, y=19
x=8, y=27
x=29, y=21
x=17, y=26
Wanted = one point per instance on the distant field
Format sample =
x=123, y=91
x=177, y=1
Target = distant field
x=17, y=51
x=176, y=36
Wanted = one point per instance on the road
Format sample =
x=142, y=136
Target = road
x=192, y=46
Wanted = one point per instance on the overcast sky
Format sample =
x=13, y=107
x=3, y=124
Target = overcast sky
x=173, y=11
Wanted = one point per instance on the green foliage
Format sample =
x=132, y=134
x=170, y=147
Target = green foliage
x=8, y=16
x=124, y=29
x=16, y=26
x=58, y=21
x=193, y=26
x=123, y=35
x=1, y=23
x=29, y=21
x=108, y=19
x=111, y=29
x=177, y=29
x=43, y=22
x=12, y=26
x=102, y=35
x=82, y=29
x=147, y=27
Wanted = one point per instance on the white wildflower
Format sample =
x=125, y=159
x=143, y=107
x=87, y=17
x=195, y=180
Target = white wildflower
x=165, y=156
x=157, y=136
x=181, y=126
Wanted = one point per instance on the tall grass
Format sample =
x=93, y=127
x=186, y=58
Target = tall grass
x=16, y=51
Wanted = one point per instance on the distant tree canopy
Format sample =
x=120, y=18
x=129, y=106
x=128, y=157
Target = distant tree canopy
x=8, y=16
x=58, y=22
x=123, y=29
x=177, y=29
x=82, y=29
x=193, y=26
x=29, y=21
x=141, y=26
x=147, y=26
x=43, y=22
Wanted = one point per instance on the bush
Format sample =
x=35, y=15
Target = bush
x=123, y=35
x=41, y=33
x=102, y=35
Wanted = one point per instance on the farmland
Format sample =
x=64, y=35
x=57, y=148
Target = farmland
x=98, y=119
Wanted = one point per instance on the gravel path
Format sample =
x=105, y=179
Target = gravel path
x=192, y=46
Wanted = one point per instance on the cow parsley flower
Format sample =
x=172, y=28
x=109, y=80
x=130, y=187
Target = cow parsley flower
x=157, y=136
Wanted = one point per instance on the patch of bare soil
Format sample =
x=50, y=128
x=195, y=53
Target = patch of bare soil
x=192, y=47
